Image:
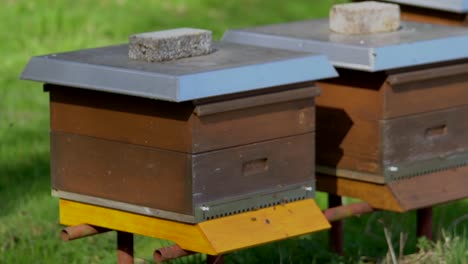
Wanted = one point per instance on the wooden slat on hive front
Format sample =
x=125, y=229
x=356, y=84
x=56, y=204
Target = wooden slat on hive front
x=174, y=126
x=431, y=189
x=253, y=124
x=204, y=109
x=425, y=89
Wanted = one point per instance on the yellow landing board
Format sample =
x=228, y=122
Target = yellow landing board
x=212, y=237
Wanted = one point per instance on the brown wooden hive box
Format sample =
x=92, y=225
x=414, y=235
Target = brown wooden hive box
x=172, y=156
x=395, y=139
x=391, y=129
x=187, y=140
x=392, y=125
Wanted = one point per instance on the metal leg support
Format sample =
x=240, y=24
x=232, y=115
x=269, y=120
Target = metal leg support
x=80, y=231
x=124, y=248
x=219, y=259
x=424, y=222
x=336, y=231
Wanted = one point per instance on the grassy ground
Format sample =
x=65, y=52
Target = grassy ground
x=29, y=215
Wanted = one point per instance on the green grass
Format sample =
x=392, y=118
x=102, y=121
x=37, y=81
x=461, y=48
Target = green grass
x=29, y=215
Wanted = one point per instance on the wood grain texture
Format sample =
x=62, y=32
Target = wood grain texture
x=253, y=124
x=175, y=126
x=256, y=100
x=348, y=111
x=367, y=121
x=127, y=119
x=152, y=178
x=425, y=136
x=425, y=89
x=133, y=174
x=268, y=166
x=212, y=237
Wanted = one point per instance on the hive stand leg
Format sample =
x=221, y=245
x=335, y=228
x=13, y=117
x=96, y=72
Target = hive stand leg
x=124, y=248
x=336, y=231
x=424, y=222
x=219, y=259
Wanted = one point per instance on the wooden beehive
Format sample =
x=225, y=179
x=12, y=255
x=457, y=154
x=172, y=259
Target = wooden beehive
x=392, y=125
x=389, y=128
x=219, y=140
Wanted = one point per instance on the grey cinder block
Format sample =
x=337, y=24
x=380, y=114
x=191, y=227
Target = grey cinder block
x=170, y=44
x=364, y=18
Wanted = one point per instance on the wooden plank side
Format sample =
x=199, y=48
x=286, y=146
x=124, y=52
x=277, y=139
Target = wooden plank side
x=355, y=91
x=209, y=108
x=348, y=111
x=347, y=142
x=138, y=175
x=377, y=195
x=188, y=236
x=253, y=124
x=174, y=126
x=431, y=189
x=267, y=166
x=428, y=89
x=121, y=118
x=425, y=136
x=265, y=225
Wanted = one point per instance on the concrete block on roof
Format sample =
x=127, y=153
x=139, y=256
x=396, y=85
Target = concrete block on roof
x=170, y=44
x=364, y=18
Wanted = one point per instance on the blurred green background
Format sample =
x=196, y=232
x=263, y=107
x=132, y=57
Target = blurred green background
x=29, y=229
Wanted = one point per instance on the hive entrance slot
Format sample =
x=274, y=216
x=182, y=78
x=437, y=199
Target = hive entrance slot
x=436, y=131
x=255, y=167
